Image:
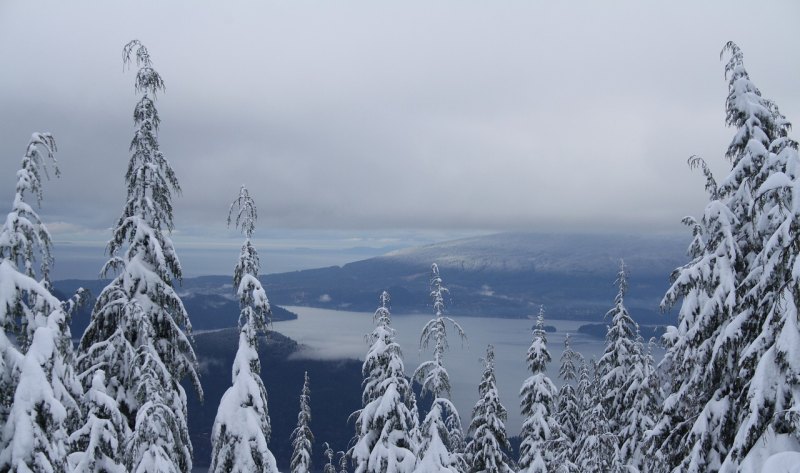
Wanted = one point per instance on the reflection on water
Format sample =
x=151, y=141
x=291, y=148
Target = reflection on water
x=333, y=334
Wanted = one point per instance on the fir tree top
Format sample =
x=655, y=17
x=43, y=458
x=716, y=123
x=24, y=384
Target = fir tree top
x=485, y=450
x=538, y=355
x=149, y=178
x=568, y=371
x=431, y=374
x=23, y=230
x=302, y=438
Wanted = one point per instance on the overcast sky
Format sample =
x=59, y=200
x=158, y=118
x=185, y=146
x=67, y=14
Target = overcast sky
x=384, y=124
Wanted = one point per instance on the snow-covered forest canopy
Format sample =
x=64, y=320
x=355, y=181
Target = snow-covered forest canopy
x=725, y=397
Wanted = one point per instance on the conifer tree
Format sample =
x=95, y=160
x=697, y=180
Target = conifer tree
x=538, y=405
x=615, y=364
x=98, y=445
x=159, y=441
x=35, y=433
x=22, y=237
x=598, y=452
x=568, y=416
x=302, y=438
x=583, y=391
x=442, y=439
x=139, y=330
x=484, y=452
x=242, y=427
x=767, y=401
x=717, y=409
x=597, y=447
x=24, y=234
x=329, y=466
x=642, y=401
x=455, y=434
x=691, y=430
x=385, y=424
x=585, y=397
x=38, y=389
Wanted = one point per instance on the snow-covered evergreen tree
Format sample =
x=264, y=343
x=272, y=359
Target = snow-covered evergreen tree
x=432, y=374
x=485, y=451
x=584, y=391
x=614, y=367
x=159, y=441
x=627, y=386
x=38, y=389
x=598, y=452
x=597, y=444
x=568, y=415
x=585, y=397
x=695, y=422
x=141, y=302
x=455, y=434
x=441, y=448
x=342, y=462
x=23, y=237
x=439, y=452
x=242, y=428
x=538, y=401
x=36, y=431
x=768, y=402
x=23, y=233
x=720, y=402
x=642, y=401
x=329, y=466
x=385, y=424
x=302, y=438
x=98, y=444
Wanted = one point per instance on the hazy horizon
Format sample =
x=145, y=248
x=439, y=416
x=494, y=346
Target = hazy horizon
x=83, y=260
x=413, y=122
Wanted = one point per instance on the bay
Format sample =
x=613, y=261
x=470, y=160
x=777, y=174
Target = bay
x=333, y=334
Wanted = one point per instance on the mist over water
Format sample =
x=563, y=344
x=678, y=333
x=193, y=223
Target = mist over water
x=330, y=334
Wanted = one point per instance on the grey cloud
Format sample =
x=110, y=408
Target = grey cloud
x=361, y=116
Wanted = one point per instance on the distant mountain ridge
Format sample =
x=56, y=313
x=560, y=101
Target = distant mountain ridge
x=554, y=253
x=505, y=275
x=501, y=275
